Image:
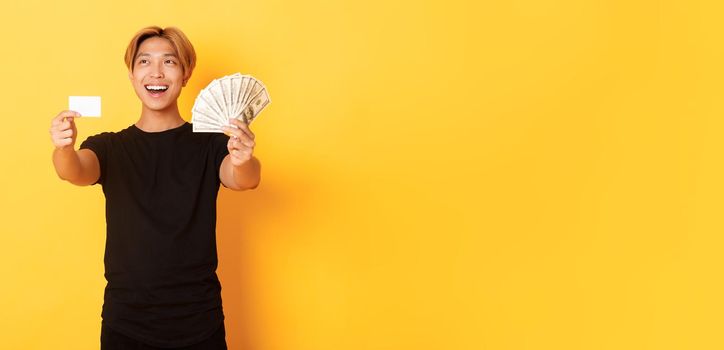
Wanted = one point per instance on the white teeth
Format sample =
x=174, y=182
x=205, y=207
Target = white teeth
x=157, y=87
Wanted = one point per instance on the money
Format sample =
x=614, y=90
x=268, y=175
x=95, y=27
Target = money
x=256, y=104
x=233, y=96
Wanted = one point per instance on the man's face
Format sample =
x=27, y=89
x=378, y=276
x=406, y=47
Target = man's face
x=157, y=74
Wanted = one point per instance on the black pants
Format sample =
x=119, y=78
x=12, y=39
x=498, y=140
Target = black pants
x=112, y=340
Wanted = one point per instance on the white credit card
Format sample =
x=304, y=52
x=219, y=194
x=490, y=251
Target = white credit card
x=87, y=106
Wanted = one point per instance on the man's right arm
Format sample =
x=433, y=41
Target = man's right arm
x=77, y=167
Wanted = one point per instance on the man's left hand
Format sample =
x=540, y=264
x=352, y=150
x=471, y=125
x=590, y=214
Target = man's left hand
x=241, y=142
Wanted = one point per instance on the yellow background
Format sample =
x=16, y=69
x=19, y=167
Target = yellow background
x=436, y=175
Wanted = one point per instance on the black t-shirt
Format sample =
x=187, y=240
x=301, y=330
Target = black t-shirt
x=160, y=255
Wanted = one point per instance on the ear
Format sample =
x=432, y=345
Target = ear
x=130, y=75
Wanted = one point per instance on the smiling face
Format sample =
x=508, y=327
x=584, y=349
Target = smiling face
x=157, y=75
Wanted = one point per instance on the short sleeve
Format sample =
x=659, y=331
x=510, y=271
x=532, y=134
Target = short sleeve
x=99, y=145
x=219, y=151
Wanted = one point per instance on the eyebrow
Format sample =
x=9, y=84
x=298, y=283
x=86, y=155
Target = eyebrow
x=148, y=54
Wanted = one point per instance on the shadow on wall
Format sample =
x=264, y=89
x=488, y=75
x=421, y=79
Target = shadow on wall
x=237, y=272
x=246, y=229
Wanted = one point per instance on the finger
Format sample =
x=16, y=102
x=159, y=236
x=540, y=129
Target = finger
x=234, y=132
x=244, y=127
x=244, y=141
x=236, y=121
x=59, y=118
x=62, y=115
x=65, y=114
x=63, y=142
x=229, y=131
x=65, y=133
x=240, y=154
x=234, y=144
x=64, y=125
x=248, y=143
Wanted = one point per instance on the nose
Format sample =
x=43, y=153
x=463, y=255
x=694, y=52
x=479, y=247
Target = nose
x=157, y=71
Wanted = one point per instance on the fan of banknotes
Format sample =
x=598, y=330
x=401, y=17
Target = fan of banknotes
x=233, y=96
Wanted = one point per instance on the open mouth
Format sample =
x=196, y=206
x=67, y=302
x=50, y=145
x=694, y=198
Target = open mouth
x=156, y=90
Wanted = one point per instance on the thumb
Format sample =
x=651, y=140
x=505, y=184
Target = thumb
x=72, y=125
x=72, y=115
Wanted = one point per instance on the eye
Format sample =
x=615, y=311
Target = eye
x=143, y=60
x=171, y=61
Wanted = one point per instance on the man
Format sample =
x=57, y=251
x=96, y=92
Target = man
x=161, y=182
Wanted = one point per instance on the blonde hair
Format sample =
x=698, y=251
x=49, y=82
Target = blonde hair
x=181, y=44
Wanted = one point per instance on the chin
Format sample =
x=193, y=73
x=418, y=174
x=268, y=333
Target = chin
x=156, y=107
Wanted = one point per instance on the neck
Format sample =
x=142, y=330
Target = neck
x=160, y=120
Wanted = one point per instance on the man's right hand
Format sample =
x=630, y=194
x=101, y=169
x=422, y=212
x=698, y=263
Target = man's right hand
x=63, y=131
x=79, y=168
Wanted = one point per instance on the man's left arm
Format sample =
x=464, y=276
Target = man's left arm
x=240, y=170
